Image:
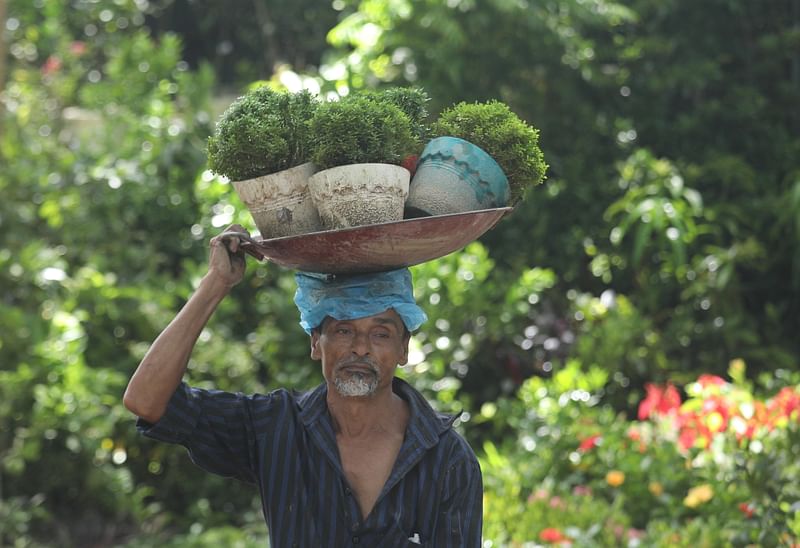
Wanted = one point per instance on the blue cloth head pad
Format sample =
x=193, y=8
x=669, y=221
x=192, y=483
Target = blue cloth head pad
x=349, y=297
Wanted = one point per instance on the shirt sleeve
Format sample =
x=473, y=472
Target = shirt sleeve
x=215, y=426
x=460, y=520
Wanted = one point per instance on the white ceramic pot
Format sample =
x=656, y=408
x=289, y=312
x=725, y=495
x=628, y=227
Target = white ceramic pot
x=280, y=203
x=359, y=194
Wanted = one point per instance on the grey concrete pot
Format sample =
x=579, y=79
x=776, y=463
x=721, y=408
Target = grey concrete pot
x=280, y=203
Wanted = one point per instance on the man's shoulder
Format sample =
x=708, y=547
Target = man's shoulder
x=457, y=445
x=288, y=398
x=453, y=445
x=254, y=402
x=307, y=404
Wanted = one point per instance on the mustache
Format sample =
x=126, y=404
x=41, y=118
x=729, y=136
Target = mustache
x=363, y=362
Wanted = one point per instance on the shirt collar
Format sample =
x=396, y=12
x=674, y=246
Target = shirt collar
x=425, y=423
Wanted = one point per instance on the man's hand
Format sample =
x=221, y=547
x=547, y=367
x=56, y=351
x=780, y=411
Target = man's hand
x=227, y=262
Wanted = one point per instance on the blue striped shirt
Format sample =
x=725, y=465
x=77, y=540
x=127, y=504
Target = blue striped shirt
x=284, y=443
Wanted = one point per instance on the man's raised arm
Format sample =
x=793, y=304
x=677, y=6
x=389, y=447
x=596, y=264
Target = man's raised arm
x=162, y=368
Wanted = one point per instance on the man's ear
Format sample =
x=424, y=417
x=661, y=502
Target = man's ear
x=315, y=354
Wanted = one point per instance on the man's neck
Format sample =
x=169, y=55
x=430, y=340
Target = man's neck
x=382, y=413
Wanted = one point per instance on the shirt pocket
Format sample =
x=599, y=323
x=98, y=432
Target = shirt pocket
x=400, y=537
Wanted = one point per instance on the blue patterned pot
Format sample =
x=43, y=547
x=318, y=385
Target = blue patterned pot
x=454, y=176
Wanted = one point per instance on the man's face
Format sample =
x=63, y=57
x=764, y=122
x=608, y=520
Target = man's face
x=360, y=356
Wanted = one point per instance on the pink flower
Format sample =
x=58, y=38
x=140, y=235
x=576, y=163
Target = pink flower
x=539, y=494
x=556, y=502
x=53, y=64
x=582, y=491
x=77, y=48
x=635, y=534
x=711, y=380
x=634, y=434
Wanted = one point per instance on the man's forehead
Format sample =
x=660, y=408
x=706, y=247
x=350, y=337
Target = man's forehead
x=389, y=316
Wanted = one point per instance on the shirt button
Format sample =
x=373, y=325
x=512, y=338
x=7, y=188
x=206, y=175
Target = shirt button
x=348, y=491
x=356, y=540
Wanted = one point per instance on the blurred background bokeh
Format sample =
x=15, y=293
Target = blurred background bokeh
x=660, y=260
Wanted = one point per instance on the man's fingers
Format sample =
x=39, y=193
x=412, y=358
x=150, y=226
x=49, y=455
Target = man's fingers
x=231, y=242
x=232, y=237
x=236, y=229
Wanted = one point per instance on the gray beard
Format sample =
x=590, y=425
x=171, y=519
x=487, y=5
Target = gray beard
x=355, y=385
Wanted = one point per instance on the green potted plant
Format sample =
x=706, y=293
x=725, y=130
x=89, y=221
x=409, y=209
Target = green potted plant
x=414, y=104
x=482, y=156
x=261, y=143
x=358, y=144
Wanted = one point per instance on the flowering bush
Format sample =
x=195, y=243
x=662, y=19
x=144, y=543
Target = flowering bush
x=716, y=407
x=707, y=464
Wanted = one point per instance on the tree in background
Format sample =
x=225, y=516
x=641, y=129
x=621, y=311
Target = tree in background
x=105, y=216
x=247, y=40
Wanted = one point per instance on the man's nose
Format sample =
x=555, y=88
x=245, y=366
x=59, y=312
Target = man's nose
x=360, y=344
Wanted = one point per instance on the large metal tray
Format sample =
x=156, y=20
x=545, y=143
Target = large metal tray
x=378, y=247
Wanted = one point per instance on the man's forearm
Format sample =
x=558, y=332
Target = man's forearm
x=162, y=368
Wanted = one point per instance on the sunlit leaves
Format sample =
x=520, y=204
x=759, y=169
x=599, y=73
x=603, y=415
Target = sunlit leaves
x=658, y=215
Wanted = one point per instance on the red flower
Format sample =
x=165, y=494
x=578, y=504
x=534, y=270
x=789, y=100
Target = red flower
x=686, y=439
x=552, y=535
x=746, y=509
x=659, y=401
x=718, y=405
x=410, y=163
x=760, y=418
x=691, y=427
x=589, y=443
x=785, y=402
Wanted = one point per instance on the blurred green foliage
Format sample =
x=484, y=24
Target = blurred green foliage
x=666, y=242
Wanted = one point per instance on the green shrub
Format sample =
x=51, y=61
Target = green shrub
x=512, y=143
x=414, y=104
x=262, y=132
x=357, y=129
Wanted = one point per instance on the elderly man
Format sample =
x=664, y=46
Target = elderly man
x=362, y=460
